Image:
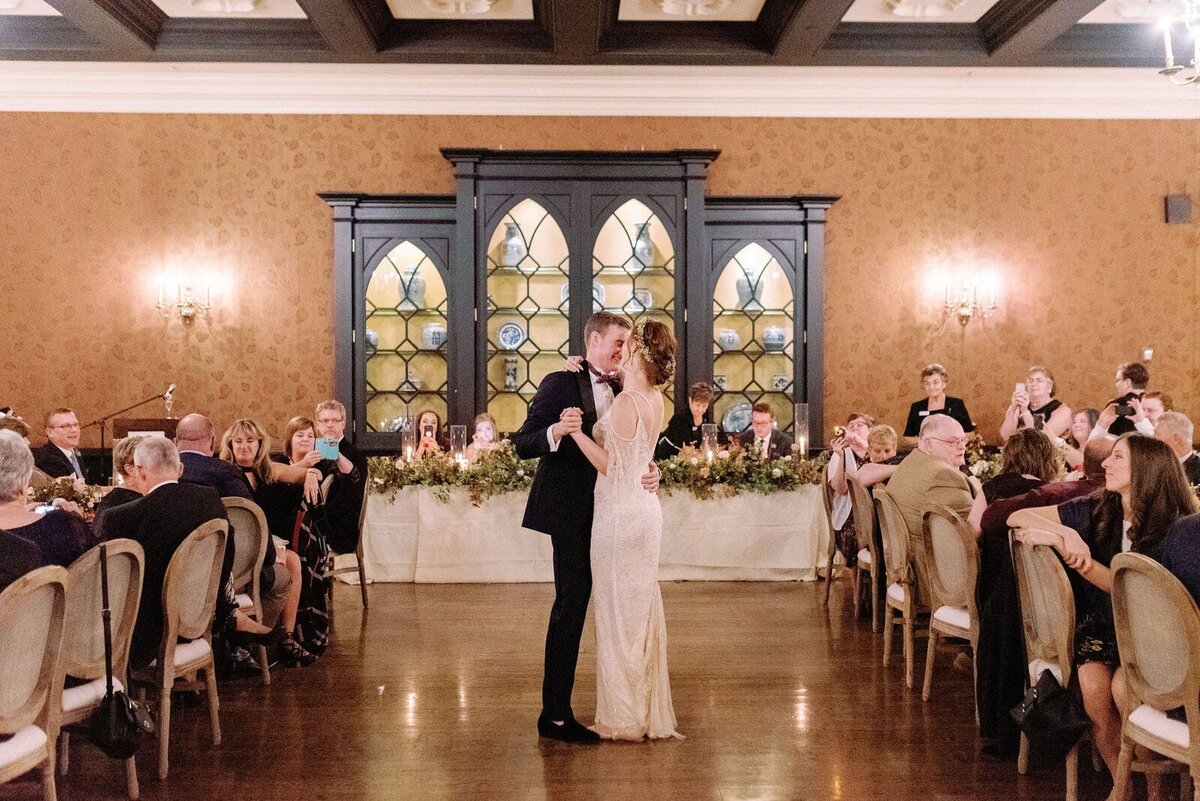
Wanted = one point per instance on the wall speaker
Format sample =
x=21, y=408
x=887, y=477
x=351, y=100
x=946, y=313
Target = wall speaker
x=1178, y=208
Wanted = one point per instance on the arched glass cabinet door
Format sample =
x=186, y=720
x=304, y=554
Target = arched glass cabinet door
x=405, y=350
x=753, y=339
x=528, y=275
x=633, y=272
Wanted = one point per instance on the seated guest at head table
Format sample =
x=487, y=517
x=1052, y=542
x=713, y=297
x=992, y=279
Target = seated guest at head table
x=429, y=433
x=1029, y=462
x=1176, y=430
x=483, y=438
x=762, y=436
x=60, y=455
x=934, y=377
x=1145, y=492
x=127, y=490
x=1033, y=406
x=61, y=536
x=684, y=426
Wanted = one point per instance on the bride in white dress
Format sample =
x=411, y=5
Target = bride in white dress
x=633, y=691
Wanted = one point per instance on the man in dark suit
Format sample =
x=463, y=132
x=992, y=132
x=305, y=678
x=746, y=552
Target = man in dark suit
x=160, y=521
x=561, y=502
x=763, y=437
x=345, y=500
x=1124, y=413
x=196, y=440
x=1176, y=430
x=60, y=456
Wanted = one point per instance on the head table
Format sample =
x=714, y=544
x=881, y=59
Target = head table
x=415, y=537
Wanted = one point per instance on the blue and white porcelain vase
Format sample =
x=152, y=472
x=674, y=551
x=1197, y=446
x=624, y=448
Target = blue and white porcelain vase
x=749, y=293
x=774, y=338
x=514, y=245
x=414, y=290
x=729, y=339
x=433, y=336
x=643, y=247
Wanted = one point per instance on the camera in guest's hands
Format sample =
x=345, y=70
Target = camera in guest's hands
x=839, y=431
x=1124, y=408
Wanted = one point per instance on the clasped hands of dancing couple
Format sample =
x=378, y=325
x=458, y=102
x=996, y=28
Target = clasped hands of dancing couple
x=594, y=496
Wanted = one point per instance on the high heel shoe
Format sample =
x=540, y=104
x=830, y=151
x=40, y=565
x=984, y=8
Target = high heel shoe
x=293, y=653
x=267, y=638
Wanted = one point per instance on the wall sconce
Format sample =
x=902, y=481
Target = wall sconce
x=186, y=301
x=965, y=302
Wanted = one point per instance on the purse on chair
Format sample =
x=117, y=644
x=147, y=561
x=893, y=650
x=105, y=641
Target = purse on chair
x=1051, y=717
x=119, y=723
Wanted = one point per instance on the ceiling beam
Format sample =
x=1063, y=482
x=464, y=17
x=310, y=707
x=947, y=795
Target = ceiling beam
x=122, y=25
x=795, y=30
x=1015, y=31
x=352, y=28
x=576, y=27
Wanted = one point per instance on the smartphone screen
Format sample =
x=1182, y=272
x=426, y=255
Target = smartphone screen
x=1020, y=388
x=427, y=432
x=327, y=449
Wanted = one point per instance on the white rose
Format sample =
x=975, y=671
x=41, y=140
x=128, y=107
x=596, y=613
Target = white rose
x=776, y=473
x=723, y=455
x=520, y=472
x=695, y=461
x=977, y=468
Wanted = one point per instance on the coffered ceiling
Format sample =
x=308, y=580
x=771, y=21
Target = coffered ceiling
x=958, y=33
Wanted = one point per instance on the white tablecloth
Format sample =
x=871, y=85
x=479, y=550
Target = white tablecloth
x=417, y=538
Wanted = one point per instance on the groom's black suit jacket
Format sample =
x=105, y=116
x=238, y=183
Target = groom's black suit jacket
x=560, y=499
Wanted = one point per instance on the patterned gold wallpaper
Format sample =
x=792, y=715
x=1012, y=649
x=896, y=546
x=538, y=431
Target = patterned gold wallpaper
x=96, y=207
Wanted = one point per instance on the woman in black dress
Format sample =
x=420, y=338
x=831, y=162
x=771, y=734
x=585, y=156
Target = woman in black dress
x=937, y=401
x=1145, y=492
x=684, y=426
x=1033, y=405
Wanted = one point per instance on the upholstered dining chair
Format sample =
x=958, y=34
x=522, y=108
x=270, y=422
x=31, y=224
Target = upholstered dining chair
x=1158, y=638
x=900, y=598
x=953, y=570
x=360, y=568
x=831, y=550
x=869, y=558
x=189, y=600
x=31, y=676
x=251, y=538
x=83, y=639
x=1048, y=624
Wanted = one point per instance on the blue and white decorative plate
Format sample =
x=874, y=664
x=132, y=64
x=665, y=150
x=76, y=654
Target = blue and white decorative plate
x=510, y=336
x=737, y=419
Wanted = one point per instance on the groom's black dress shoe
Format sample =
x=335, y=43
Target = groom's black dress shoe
x=569, y=731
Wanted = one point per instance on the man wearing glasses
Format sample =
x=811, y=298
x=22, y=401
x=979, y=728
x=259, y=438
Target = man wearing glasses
x=930, y=475
x=350, y=466
x=60, y=456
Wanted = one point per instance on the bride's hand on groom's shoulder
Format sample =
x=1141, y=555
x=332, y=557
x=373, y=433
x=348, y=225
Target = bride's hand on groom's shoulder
x=573, y=364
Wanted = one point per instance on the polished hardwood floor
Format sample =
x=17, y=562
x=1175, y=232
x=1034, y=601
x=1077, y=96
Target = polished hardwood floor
x=434, y=694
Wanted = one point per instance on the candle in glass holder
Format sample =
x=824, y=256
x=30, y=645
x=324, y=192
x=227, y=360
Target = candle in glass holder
x=708, y=440
x=458, y=445
x=408, y=438
x=800, y=421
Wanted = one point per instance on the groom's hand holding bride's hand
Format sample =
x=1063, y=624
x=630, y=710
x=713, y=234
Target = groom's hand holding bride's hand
x=569, y=422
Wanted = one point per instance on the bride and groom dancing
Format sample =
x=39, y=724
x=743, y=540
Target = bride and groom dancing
x=594, y=494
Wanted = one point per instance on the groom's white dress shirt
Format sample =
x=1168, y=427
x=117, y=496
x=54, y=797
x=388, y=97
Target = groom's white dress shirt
x=603, y=395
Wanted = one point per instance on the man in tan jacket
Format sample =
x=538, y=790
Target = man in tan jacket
x=930, y=475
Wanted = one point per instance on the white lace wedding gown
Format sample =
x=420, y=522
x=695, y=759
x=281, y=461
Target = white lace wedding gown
x=633, y=691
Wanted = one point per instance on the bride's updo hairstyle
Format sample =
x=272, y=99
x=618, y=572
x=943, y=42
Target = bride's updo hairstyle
x=656, y=346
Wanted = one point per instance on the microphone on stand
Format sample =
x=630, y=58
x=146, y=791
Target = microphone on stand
x=170, y=391
x=169, y=401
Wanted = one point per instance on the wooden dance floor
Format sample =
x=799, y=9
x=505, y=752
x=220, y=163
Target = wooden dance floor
x=434, y=695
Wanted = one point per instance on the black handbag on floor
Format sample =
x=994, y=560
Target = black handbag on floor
x=1052, y=718
x=119, y=723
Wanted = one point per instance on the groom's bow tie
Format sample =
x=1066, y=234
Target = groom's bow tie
x=604, y=378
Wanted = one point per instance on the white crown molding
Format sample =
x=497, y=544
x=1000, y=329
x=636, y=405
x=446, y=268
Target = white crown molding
x=594, y=91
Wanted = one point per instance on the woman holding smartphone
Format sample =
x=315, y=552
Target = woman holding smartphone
x=1033, y=406
x=429, y=428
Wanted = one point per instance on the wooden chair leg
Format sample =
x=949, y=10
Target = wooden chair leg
x=64, y=753
x=164, y=730
x=1120, y=789
x=877, y=602
x=131, y=779
x=856, y=588
x=49, y=790
x=362, y=574
x=1072, y=768
x=265, y=664
x=214, y=703
x=909, y=647
x=1023, y=755
x=930, y=656
x=889, y=628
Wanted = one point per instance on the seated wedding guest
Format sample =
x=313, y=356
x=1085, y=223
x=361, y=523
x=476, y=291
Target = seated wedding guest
x=127, y=490
x=1029, y=462
x=246, y=445
x=160, y=521
x=1176, y=430
x=60, y=536
x=345, y=499
x=684, y=426
x=1033, y=406
x=1077, y=436
x=1145, y=493
x=1000, y=650
x=881, y=443
x=429, y=433
x=13, y=423
x=196, y=440
x=483, y=438
x=1124, y=413
x=1154, y=404
x=280, y=501
x=1181, y=553
x=934, y=378
x=18, y=556
x=762, y=435
x=60, y=455
x=847, y=451
x=930, y=475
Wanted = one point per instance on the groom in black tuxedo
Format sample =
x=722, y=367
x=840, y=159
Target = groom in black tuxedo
x=560, y=504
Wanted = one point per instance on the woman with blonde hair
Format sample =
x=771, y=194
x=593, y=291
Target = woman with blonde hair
x=483, y=438
x=1033, y=405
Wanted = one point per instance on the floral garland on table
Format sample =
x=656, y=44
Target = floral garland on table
x=64, y=488
x=496, y=472
x=735, y=469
